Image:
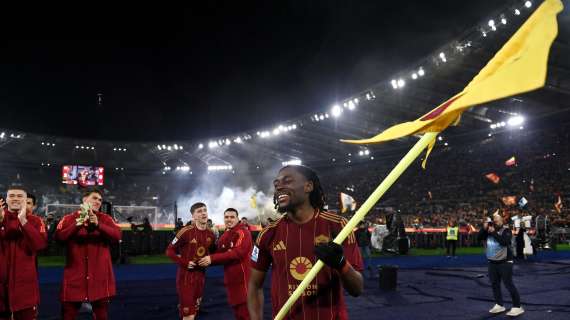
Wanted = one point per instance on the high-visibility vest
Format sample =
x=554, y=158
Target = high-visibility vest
x=452, y=233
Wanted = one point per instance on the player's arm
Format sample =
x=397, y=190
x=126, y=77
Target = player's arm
x=172, y=249
x=66, y=228
x=109, y=229
x=255, y=294
x=240, y=250
x=35, y=234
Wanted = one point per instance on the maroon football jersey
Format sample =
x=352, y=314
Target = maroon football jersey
x=288, y=248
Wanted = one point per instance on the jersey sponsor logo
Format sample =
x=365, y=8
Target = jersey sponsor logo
x=255, y=254
x=174, y=241
x=279, y=246
x=299, y=267
x=201, y=251
x=322, y=239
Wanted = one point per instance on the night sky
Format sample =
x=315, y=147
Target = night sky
x=171, y=73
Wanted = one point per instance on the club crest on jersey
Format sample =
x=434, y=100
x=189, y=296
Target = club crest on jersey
x=299, y=267
x=322, y=239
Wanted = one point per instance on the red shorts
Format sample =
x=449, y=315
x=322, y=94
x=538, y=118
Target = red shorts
x=190, y=290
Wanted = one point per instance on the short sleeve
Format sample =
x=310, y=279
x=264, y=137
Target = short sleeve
x=180, y=238
x=261, y=255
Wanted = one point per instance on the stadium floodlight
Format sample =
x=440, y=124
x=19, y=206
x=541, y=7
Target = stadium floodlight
x=446, y=144
x=228, y=142
x=442, y=57
x=414, y=76
x=371, y=158
x=322, y=117
x=158, y=147
x=336, y=111
x=366, y=152
x=401, y=83
x=421, y=72
x=212, y=145
x=503, y=123
x=439, y=138
x=361, y=153
x=238, y=140
x=276, y=131
x=394, y=84
x=493, y=126
x=491, y=23
x=490, y=135
x=175, y=146
x=515, y=121
x=2, y=135
x=294, y=162
x=351, y=105
x=163, y=146
x=503, y=20
x=517, y=12
x=169, y=148
x=294, y=126
x=528, y=4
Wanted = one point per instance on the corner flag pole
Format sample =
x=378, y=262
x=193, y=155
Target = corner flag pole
x=406, y=161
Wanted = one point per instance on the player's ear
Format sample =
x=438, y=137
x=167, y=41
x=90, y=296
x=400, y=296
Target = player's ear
x=309, y=186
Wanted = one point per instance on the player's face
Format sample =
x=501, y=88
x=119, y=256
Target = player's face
x=16, y=199
x=200, y=215
x=94, y=200
x=230, y=219
x=291, y=189
x=30, y=204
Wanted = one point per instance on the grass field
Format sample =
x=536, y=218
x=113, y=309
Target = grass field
x=59, y=261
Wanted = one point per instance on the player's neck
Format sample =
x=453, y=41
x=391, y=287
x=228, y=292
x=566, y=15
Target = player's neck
x=201, y=226
x=302, y=214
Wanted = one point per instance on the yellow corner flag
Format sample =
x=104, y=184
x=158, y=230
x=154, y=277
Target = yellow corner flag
x=519, y=66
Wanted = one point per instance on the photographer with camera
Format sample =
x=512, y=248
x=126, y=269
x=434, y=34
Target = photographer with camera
x=500, y=257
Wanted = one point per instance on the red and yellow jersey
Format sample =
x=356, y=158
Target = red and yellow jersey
x=288, y=248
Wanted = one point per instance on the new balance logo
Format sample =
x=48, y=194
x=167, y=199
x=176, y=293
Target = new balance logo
x=279, y=246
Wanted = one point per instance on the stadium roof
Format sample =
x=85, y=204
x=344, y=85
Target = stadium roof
x=313, y=137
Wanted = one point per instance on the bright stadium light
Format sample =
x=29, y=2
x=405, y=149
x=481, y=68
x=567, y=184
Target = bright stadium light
x=401, y=83
x=528, y=4
x=503, y=20
x=175, y=147
x=200, y=146
x=442, y=57
x=366, y=152
x=276, y=132
x=493, y=126
x=294, y=126
x=491, y=23
x=295, y=162
x=394, y=84
x=322, y=117
x=163, y=146
x=414, y=76
x=517, y=12
x=351, y=105
x=336, y=111
x=515, y=121
x=212, y=144
x=439, y=138
x=421, y=72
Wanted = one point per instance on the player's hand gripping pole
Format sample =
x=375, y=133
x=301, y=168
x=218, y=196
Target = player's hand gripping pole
x=360, y=213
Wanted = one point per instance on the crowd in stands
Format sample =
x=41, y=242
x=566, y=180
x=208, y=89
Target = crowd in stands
x=453, y=186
